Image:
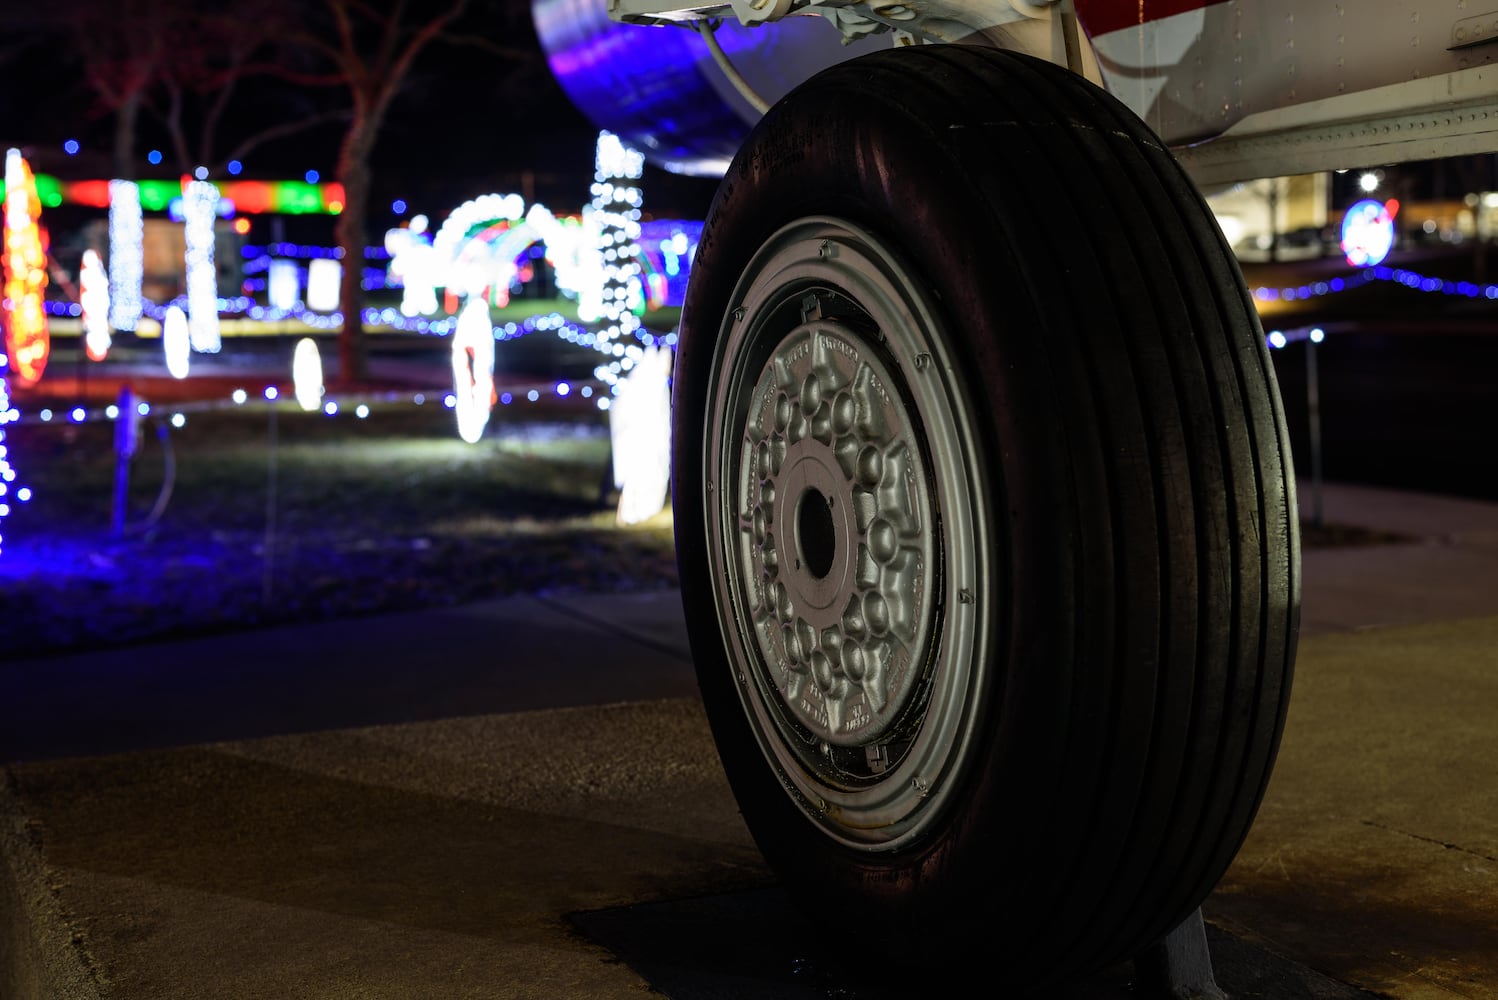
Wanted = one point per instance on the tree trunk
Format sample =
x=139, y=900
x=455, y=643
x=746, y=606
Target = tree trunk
x=353, y=172
x=125, y=118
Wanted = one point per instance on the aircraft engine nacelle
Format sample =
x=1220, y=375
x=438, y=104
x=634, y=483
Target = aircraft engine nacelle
x=659, y=88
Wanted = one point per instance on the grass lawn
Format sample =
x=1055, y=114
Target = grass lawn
x=299, y=516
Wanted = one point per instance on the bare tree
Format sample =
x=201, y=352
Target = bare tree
x=122, y=50
x=371, y=48
x=183, y=64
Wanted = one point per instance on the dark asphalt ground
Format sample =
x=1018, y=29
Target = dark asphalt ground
x=521, y=799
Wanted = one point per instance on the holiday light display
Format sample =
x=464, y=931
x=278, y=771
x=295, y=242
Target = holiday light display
x=414, y=266
x=93, y=298
x=462, y=245
x=1368, y=232
x=667, y=247
x=283, y=284
x=200, y=203
x=615, y=212
x=323, y=277
x=243, y=197
x=127, y=236
x=306, y=375
x=8, y=415
x=473, y=369
x=176, y=342
x=25, y=258
x=640, y=429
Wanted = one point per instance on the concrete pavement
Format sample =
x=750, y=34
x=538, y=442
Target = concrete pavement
x=510, y=798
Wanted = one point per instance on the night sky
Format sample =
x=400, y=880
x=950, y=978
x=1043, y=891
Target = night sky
x=469, y=121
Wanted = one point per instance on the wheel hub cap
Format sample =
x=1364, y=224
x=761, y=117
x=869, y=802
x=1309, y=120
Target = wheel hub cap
x=835, y=530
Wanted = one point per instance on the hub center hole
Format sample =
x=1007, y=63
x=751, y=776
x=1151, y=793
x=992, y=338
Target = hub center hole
x=816, y=535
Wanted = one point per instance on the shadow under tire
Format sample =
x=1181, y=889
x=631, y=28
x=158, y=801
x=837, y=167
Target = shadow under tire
x=985, y=514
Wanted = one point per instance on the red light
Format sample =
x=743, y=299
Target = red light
x=94, y=194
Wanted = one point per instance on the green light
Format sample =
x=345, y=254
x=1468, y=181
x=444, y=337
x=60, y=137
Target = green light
x=156, y=195
x=296, y=197
x=48, y=190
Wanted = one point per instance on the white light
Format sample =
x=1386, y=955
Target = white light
x=143, y=409
x=640, y=430
x=93, y=296
x=179, y=420
x=1277, y=339
x=306, y=374
x=1318, y=335
x=23, y=494
x=78, y=414
x=45, y=415
x=449, y=401
x=473, y=369
x=199, y=210
x=271, y=392
x=126, y=255
x=240, y=396
x=563, y=388
x=330, y=407
x=1368, y=182
x=111, y=411
x=323, y=276
x=361, y=411
x=283, y=284
x=414, y=266
x=176, y=342
x=1368, y=232
x=533, y=395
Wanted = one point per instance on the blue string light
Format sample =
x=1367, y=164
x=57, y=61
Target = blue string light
x=1397, y=275
x=359, y=404
x=8, y=415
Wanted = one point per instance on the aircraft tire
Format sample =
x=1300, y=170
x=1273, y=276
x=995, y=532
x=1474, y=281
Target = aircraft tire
x=985, y=516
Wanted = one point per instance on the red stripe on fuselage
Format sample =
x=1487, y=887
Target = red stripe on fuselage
x=1101, y=17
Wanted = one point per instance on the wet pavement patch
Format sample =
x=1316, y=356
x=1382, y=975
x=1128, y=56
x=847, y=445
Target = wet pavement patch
x=752, y=945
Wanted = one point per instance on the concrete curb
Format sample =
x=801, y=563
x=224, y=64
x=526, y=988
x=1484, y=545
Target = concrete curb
x=39, y=952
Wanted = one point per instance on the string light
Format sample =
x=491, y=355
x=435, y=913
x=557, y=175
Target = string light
x=27, y=341
x=461, y=246
x=127, y=235
x=473, y=370
x=1398, y=275
x=283, y=284
x=615, y=216
x=242, y=197
x=323, y=276
x=306, y=374
x=176, y=342
x=640, y=430
x=667, y=248
x=199, y=204
x=93, y=298
x=8, y=415
x=413, y=266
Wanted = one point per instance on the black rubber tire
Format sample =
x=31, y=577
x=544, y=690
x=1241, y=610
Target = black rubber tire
x=1138, y=488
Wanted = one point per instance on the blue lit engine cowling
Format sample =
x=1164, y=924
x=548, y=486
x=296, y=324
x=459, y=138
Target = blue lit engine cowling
x=659, y=89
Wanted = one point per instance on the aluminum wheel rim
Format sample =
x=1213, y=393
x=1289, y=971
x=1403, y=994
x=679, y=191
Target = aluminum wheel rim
x=847, y=554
